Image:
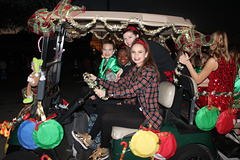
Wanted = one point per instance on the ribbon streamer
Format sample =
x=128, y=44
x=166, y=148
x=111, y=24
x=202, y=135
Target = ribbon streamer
x=40, y=23
x=66, y=11
x=192, y=41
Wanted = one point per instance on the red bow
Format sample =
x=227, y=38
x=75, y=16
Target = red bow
x=143, y=43
x=131, y=28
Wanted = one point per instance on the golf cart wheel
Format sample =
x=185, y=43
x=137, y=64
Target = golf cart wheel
x=192, y=152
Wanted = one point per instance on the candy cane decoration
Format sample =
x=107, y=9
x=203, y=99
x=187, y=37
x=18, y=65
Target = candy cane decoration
x=124, y=149
x=16, y=120
x=45, y=156
x=39, y=49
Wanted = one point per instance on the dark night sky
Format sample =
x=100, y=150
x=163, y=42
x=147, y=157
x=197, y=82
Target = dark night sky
x=208, y=16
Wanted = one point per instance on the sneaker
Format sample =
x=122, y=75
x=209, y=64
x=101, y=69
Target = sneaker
x=84, y=139
x=29, y=99
x=233, y=136
x=99, y=154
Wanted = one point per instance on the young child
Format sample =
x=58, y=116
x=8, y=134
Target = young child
x=124, y=59
x=161, y=56
x=123, y=56
x=139, y=87
x=33, y=78
x=107, y=70
x=109, y=65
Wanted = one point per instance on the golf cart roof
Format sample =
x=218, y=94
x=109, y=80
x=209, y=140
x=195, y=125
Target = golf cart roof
x=155, y=20
x=106, y=21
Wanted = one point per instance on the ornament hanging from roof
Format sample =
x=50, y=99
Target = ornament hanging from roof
x=41, y=21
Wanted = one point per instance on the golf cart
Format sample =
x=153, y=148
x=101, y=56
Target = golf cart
x=67, y=22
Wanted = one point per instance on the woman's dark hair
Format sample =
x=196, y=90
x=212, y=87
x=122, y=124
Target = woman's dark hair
x=123, y=47
x=133, y=29
x=109, y=42
x=149, y=59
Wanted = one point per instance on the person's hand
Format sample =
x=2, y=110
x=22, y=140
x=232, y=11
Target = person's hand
x=32, y=75
x=108, y=71
x=92, y=77
x=119, y=73
x=184, y=59
x=93, y=97
x=100, y=92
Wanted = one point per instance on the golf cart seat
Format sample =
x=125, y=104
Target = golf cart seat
x=237, y=125
x=166, y=98
x=184, y=101
x=188, y=83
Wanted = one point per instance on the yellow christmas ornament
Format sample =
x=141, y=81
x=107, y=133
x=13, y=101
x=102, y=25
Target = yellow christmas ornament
x=144, y=143
x=5, y=128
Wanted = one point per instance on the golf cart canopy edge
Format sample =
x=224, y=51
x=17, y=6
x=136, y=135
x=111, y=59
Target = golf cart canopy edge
x=154, y=20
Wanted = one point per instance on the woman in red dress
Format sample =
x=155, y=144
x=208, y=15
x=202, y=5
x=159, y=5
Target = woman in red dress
x=219, y=69
x=221, y=72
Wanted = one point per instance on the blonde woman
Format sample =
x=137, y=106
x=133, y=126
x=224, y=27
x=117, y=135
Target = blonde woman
x=220, y=70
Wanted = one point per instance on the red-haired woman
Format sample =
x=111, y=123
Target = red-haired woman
x=160, y=55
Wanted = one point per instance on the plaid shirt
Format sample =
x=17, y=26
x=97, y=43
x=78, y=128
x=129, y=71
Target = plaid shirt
x=144, y=88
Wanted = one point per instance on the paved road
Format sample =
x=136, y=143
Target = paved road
x=11, y=103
